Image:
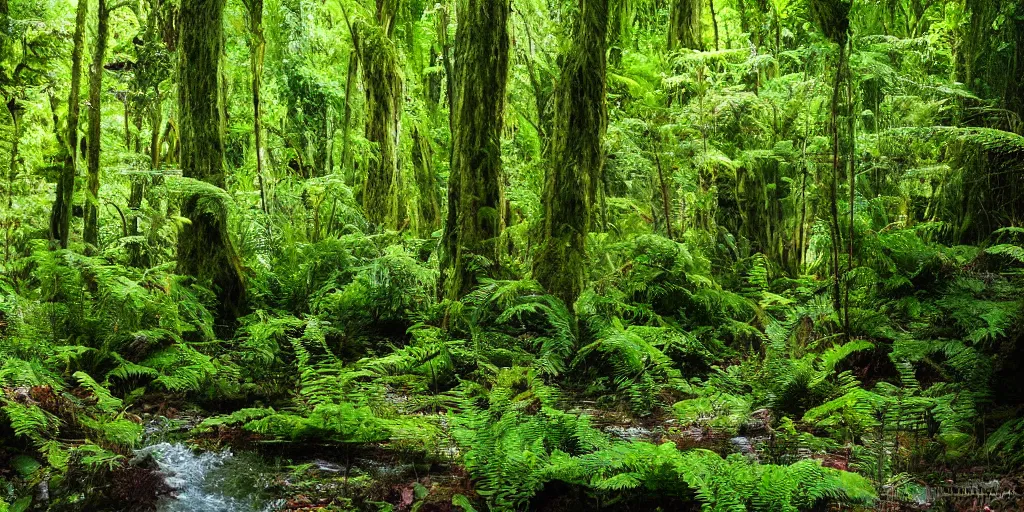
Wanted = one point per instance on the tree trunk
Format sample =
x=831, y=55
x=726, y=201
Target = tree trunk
x=666, y=203
x=383, y=81
x=837, y=169
x=616, y=28
x=446, y=60
x=685, y=29
x=204, y=247
x=60, y=217
x=426, y=183
x=126, y=99
x=577, y=157
x=433, y=88
x=346, y=125
x=91, y=231
x=714, y=21
x=155, y=120
x=257, y=51
x=850, y=138
x=475, y=195
x=17, y=110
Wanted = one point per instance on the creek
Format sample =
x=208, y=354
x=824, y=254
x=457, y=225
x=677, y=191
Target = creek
x=211, y=481
x=207, y=481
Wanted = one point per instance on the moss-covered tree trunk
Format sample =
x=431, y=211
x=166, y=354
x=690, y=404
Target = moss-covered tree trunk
x=257, y=52
x=204, y=247
x=16, y=110
x=91, y=231
x=475, y=195
x=833, y=19
x=714, y=22
x=382, y=78
x=617, y=26
x=347, y=164
x=577, y=156
x=60, y=216
x=685, y=30
x=429, y=203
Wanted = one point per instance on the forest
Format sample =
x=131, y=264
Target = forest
x=511, y=255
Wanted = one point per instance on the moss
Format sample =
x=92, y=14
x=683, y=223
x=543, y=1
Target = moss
x=60, y=217
x=570, y=188
x=685, y=30
x=91, y=233
x=382, y=78
x=429, y=194
x=205, y=250
x=475, y=189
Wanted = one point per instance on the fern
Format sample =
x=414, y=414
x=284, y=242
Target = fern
x=104, y=400
x=1008, y=442
x=555, y=347
x=93, y=456
x=640, y=370
x=1014, y=252
x=718, y=484
x=29, y=421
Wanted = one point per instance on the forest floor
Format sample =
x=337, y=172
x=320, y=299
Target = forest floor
x=238, y=470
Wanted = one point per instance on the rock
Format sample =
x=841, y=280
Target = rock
x=743, y=445
x=629, y=433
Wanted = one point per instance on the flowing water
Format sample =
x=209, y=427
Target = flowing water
x=211, y=481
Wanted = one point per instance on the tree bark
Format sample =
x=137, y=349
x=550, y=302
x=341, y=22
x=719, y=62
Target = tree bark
x=426, y=183
x=475, y=195
x=685, y=30
x=155, y=121
x=91, y=231
x=446, y=60
x=205, y=250
x=714, y=22
x=16, y=110
x=666, y=203
x=60, y=216
x=382, y=78
x=257, y=51
x=346, y=125
x=577, y=156
x=838, y=166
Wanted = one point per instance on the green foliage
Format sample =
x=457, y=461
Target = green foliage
x=717, y=484
x=854, y=299
x=343, y=423
x=640, y=371
x=510, y=433
x=1007, y=441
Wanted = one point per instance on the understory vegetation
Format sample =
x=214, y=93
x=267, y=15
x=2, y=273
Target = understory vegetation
x=714, y=255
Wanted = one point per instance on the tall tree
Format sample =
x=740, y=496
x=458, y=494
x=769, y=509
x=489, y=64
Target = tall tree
x=152, y=66
x=685, y=30
x=577, y=156
x=205, y=250
x=429, y=202
x=60, y=216
x=346, y=124
x=257, y=51
x=92, y=210
x=833, y=17
x=382, y=78
x=475, y=195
